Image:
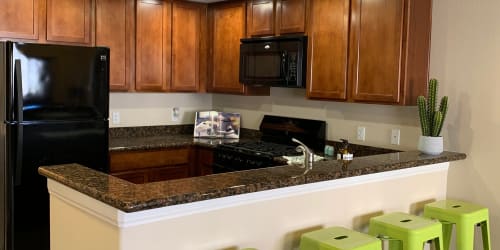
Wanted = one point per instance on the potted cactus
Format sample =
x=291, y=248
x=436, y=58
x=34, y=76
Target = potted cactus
x=431, y=120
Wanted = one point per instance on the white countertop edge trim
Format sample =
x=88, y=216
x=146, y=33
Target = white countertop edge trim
x=121, y=219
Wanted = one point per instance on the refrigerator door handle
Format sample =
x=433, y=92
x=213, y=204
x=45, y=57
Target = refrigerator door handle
x=18, y=165
x=18, y=91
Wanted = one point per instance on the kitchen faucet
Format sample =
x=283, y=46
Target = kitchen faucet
x=308, y=154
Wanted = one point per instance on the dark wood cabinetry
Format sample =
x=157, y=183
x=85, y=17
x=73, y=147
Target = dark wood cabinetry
x=186, y=41
x=153, y=45
x=152, y=165
x=260, y=17
x=291, y=16
x=115, y=28
x=390, y=47
x=69, y=21
x=276, y=17
x=328, y=47
x=227, y=27
x=19, y=19
x=204, y=161
x=388, y=50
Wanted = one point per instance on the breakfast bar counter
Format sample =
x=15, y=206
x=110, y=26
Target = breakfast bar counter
x=129, y=197
x=264, y=208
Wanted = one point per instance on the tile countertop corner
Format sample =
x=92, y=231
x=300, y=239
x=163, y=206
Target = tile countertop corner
x=130, y=197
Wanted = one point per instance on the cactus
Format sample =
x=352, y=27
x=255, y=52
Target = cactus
x=431, y=120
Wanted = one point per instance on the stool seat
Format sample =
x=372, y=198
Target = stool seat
x=410, y=231
x=338, y=238
x=465, y=216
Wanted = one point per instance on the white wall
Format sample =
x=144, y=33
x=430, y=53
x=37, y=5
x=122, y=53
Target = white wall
x=148, y=109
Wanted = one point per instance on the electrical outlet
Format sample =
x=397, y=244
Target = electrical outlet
x=176, y=113
x=395, y=136
x=361, y=133
x=115, y=117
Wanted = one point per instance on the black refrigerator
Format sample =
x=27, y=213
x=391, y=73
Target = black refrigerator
x=54, y=110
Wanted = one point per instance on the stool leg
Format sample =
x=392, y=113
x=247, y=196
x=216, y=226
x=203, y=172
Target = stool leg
x=447, y=228
x=485, y=231
x=395, y=244
x=465, y=236
x=438, y=243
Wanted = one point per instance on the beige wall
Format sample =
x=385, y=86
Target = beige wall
x=466, y=58
x=147, y=109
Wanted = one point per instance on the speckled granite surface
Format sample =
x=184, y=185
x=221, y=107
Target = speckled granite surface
x=156, y=137
x=130, y=197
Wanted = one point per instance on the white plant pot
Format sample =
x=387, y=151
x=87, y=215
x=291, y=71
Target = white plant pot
x=430, y=145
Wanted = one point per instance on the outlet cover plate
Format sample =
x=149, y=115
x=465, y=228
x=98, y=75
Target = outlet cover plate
x=395, y=136
x=361, y=134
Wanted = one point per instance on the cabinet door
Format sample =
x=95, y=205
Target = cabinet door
x=136, y=176
x=327, y=52
x=153, y=45
x=19, y=19
x=291, y=16
x=185, y=46
x=377, y=50
x=115, y=29
x=205, y=160
x=168, y=173
x=260, y=17
x=69, y=21
x=227, y=26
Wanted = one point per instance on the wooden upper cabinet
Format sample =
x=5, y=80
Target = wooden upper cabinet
x=186, y=30
x=153, y=45
x=327, y=49
x=227, y=27
x=115, y=22
x=389, y=55
x=69, y=21
x=260, y=17
x=19, y=19
x=291, y=16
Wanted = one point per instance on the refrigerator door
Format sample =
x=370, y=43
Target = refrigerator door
x=40, y=144
x=57, y=82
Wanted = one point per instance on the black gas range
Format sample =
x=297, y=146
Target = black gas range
x=275, y=142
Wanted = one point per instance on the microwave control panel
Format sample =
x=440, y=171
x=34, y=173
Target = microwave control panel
x=292, y=67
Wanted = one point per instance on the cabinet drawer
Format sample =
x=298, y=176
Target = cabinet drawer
x=123, y=161
x=168, y=173
x=137, y=177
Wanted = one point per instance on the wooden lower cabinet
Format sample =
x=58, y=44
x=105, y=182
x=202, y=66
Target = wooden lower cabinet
x=144, y=166
x=204, y=160
x=152, y=165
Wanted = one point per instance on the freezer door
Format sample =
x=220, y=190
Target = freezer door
x=42, y=144
x=57, y=82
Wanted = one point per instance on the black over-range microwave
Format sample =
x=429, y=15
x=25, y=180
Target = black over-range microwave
x=274, y=61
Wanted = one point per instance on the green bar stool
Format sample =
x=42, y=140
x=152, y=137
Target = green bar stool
x=407, y=230
x=338, y=238
x=465, y=216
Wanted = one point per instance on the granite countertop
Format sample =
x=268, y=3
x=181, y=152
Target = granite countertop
x=130, y=197
x=148, y=138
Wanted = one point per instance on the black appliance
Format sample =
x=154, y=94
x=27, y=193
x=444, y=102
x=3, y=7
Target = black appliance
x=54, y=110
x=276, y=141
x=274, y=61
